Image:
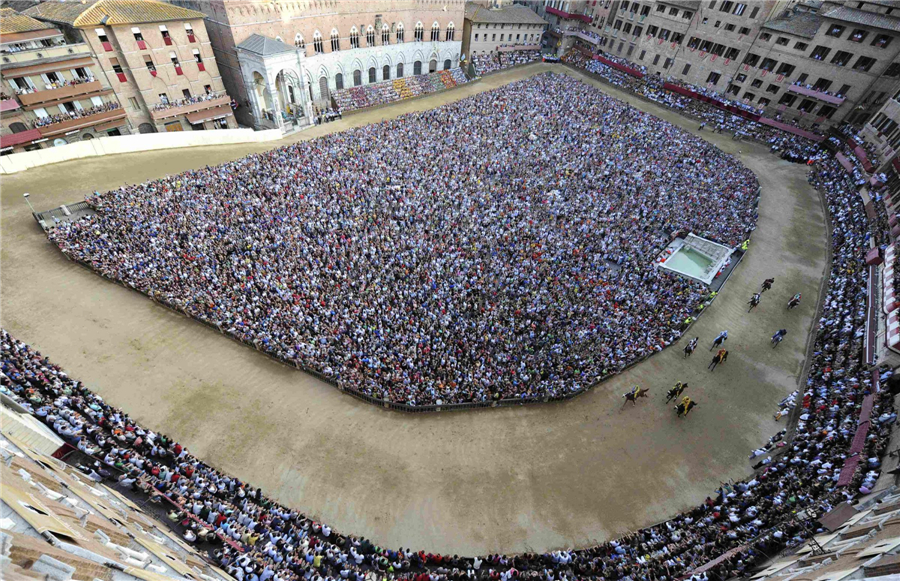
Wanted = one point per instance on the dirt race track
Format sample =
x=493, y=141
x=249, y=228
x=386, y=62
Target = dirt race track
x=510, y=480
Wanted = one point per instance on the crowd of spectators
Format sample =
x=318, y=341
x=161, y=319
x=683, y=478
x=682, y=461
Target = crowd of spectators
x=487, y=63
x=794, y=483
x=345, y=255
x=374, y=94
x=76, y=114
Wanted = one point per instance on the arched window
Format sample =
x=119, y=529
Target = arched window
x=354, y=38
x=385, y=34
x=298, y=41
x=432, y=65
x=451, y=31
x=417, y=68
x=317, y=43
x=373, y=75
x=278, y=38
x=338, y=82
x=399, y=70
x=420, y=32
x=17, y=127
x=357, y=78
x=447, y=65
x=399, y=33
x=370, y=36
x=335, y=41
x=435, y=32
x=323, y=87
x=386, y=72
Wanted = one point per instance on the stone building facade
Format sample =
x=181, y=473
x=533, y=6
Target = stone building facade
x=488, y=29
x=54, y=91
x=883, y=130
x=816, y=63
x=157, y=57
x=336, y=45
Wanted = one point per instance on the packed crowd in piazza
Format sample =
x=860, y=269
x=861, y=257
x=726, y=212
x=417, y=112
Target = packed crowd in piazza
x=267, y=541
x=487, y=63
x=344, y=255
x=758, y=515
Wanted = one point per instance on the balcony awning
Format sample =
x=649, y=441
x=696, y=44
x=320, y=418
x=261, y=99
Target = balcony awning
x=214, y=113
x=8, y=105
x=19, y=138
x=71, y=62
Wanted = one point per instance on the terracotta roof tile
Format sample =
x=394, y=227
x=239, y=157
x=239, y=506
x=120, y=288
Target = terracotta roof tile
x=12, y=22
x=113, y=12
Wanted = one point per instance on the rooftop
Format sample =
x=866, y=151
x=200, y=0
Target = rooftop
x=513, y=14
x=12, y=22
x=113, y=12
x=855, y=16
x=686, y=4
x=803, y=24
x=59, y=12
x=263, y=45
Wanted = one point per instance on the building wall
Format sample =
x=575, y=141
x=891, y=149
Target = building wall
x=488, y=37
x=230, y=22
x=141, y=91
x=883, y=130
x=51, y=92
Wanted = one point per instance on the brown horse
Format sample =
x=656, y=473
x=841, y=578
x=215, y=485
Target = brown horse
x=635, y=394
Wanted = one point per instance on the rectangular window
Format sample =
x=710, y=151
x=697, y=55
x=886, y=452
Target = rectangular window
x=687, y=15
x=726, y=6
x=732, y=53
x=652, y=30
x=785, y=69
x=763, y=102
x=627, y=28
x=864, y=63
x=501, y=38
x=476, y=37
x=757, y=83
x=751, y=59
x=765, y=36
x=642, y=55
x=754, y=12
x=827, y=111
x=729, y=27
x=744, y=30
x=822, y=84
x=858, y=35
x=120, y=74
x=768, y=64
x=186, y=93
x=844, y=90
x=800, y=46
x=190, y=32
x=713, y=78
x=139, y=38
x=677, y=37
x=841, y=58
x=836, y=30
x=148, y=60
x=659, y=8
x=656, y=60
x=739, y=9
x=673, y=12
x=782, y=41
x=686, y=69
x=807, y=105
x=750, y=97
x=165, y=34
x=893, y=70
x=104, y=41
x=740, y=78
x=819, y=53
x=134, y=104
x=163, y=98
x=668, y=63
x=787, y=99
x=802, y=78
x=882, y=40
x=772, y=88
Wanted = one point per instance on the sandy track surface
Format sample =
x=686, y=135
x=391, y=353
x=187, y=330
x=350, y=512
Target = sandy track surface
x=507, y=480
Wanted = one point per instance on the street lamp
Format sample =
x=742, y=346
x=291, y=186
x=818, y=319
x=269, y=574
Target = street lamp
x=26, y=195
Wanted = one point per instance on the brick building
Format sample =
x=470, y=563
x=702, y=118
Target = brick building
x=54, y=92
x=280, y=59
x=883, y=130
x=158, y=59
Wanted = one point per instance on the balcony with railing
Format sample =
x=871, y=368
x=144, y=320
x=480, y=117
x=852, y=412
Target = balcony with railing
x=816, y=94
x=185, y=106
x=72, y=90
x=568, y=15
x=78, y=120
x=593, y=39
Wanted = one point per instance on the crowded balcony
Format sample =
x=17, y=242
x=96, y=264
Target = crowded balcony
x=61, y=91
x=816, y=94
x=568, y=15
x=190, y=105
x=79, y=119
